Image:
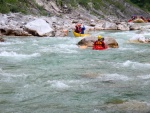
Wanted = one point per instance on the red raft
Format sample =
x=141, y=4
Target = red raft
x=96, y=47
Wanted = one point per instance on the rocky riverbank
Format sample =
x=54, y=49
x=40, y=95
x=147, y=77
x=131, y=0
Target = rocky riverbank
x=18, y=24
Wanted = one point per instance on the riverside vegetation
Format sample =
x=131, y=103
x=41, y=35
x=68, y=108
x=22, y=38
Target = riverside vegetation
x=32, y=7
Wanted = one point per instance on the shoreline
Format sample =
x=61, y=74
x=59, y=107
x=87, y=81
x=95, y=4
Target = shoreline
x=17, y=24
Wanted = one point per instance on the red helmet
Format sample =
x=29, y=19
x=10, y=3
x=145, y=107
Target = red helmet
x=78, y=24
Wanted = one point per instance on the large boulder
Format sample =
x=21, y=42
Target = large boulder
x=111, y=42
x=88, y=42
x=39, y=27
x=135, y=26
x=1, y=39
x=139, y=39
x=12, y=31
x=123, y=26
x=109, y=26
x=99, y=26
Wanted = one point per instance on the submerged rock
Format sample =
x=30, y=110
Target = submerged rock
x=1, y=39
x=139, y=39
x=88, y=41
x=132, y=106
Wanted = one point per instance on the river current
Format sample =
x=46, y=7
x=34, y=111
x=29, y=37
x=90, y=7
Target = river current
x=52, y=75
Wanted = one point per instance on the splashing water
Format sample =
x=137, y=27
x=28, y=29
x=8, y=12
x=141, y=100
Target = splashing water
x=52, y=75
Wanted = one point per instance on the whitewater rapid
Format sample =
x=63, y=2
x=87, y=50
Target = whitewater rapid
x=53, y=75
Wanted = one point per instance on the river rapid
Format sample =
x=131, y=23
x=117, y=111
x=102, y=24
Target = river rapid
x=52, y=75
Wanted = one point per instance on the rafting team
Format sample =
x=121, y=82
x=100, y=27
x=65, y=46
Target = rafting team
x=140, y=19
x=99, y=44
x=79, y=29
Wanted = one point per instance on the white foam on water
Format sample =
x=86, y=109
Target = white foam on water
x=136, y=64
x=11, y=43
x=46, y=49
x=58, y=84
x=145, y=77
x=114, y=77
x=5, y=43
x=16, y=55
x=26, y=86
x=8, y=49
x=79, y=82
x=65, y=84
x=127, y=48
x=137, y=36
x=8, y=77
x=141, y=51
x=1, y=70
x=64, y=48
x=127, y=63
x=35, y=44
x=14, y=75
x=3, y=73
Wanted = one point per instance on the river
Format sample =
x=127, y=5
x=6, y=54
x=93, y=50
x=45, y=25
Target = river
x=52, y=75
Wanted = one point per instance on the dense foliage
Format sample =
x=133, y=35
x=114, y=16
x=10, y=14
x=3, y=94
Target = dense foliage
x=144, y=4
x=29, y=6
x=24, y=6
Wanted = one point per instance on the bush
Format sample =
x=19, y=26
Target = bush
x=23, y=6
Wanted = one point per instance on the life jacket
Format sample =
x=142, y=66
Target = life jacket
x=82, y=30
x=78, y=29
x=130, y=20
x=99, y=44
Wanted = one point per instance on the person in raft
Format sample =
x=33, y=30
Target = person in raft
x=82, y=29
x=78, y=28
x=99, y=43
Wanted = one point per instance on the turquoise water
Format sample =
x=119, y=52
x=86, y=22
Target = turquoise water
x=52, y=75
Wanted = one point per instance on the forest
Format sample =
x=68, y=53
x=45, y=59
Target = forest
x=144, y=4
x=26, y=6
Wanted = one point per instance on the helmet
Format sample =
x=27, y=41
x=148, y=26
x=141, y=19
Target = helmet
x=78, y=24
x=99, y=37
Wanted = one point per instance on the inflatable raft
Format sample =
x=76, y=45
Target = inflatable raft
x=80, y=35
x=99, y=48
x=138, y=20
x=74, y=34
